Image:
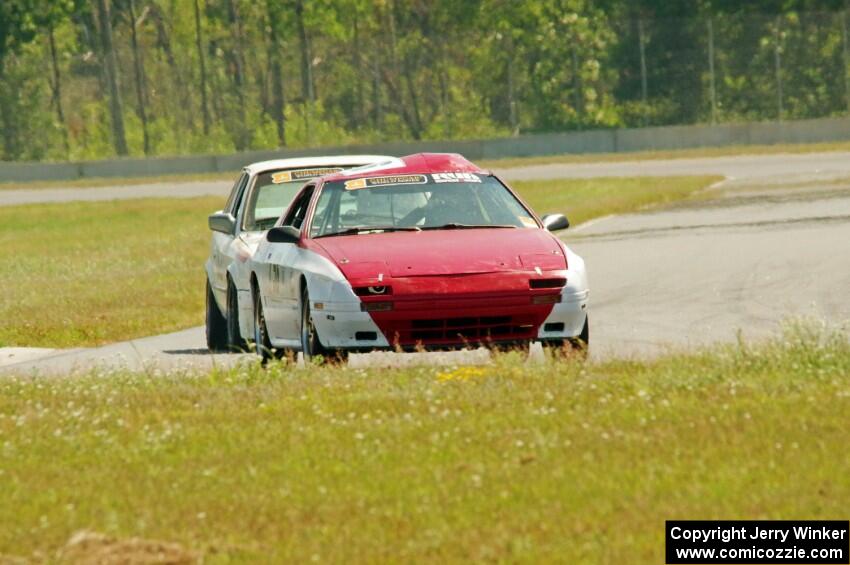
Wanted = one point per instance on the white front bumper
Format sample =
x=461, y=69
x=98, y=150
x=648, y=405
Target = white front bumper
x=338, y=324
x=567, y=317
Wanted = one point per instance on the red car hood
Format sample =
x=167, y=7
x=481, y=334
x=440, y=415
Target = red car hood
x=444, y=252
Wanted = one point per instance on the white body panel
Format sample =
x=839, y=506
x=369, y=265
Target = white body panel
x=572, y=310
x=280, y=268
x=229, y=253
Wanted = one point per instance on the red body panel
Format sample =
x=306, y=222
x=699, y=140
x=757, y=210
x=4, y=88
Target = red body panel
x=448, y=287
x=450, y=310
x=445, y=252
x=451, y=287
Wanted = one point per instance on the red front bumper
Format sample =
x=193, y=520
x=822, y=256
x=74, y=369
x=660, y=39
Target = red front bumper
x=462, y=309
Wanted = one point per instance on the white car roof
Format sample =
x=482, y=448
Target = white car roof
x=297, y=162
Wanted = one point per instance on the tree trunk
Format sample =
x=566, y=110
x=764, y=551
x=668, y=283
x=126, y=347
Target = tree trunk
x=111, y=65
x=643, y=80
x=396, y=91
x=711, y=79
x=6, y=121
x=308, y=90
x=377, y=117
x=845, y=56
x=445, y=100
x=357, y=61
x=513, y=114
x=578, y=94
x=199, y=45
x=414, y=99
x=56, y=89
x=138, y=64
x=275, y=55
x=777, y=60
x=163, y=41
x=243, y=139
x=88, y=25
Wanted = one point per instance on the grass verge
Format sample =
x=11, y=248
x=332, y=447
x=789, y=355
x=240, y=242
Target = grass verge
x=563, y=462
x=86, y=273
x=89, y=273
x=585, y=199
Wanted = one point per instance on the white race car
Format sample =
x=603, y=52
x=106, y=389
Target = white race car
x=258, y=198
x=424, y=251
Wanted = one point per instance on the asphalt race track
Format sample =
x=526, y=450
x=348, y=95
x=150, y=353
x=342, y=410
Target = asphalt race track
x=744, y=168
x=695, y=275
x=776, y=247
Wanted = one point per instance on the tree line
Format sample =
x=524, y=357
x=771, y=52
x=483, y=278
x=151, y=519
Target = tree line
x=85, y=79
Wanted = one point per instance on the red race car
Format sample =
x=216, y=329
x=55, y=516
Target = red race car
x=424, y=251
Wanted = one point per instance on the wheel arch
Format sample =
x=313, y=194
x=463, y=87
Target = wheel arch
x=255, y=284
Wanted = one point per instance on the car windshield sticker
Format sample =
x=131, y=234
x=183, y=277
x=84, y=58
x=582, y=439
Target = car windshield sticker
x=455, y=177
x=302, y=174
x=385, y=181
x=527, y=222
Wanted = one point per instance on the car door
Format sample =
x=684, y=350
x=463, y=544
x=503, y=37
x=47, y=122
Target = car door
x=222, y=245
x=283, y=292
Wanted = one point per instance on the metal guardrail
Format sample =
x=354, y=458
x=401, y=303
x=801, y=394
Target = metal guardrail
x=593, y=141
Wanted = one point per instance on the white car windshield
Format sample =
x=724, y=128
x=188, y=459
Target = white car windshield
x=417, y=202
x=273, y=192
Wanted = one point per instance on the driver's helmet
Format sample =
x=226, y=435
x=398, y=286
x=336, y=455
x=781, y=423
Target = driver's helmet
x=451, y=204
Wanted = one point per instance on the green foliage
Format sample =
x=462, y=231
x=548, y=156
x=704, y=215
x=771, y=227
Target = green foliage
x=404, y=69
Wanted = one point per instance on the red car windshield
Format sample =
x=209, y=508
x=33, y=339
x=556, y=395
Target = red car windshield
x=417, y=201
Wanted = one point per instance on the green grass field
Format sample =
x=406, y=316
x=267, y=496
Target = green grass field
x=510, y=462
x=585, y=199
x=88, y=273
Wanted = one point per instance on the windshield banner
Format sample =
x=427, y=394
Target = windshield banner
x=385, y=181
x=303, y=174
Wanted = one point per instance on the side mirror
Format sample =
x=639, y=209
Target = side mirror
x=555, y=222
x=222, y=222
x=283, y=234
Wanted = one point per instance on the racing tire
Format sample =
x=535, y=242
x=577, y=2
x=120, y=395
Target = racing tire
x=572, y=347
x=261, y=333
x=216, y=324
x=310, y=345
x=235, y=342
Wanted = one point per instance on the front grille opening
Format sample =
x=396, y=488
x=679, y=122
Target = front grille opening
x=461, y=322
x=365, y=336
x=554, y=327
x=547, y=283
x=495, y=320
x=472, y=329
x=427, y=324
